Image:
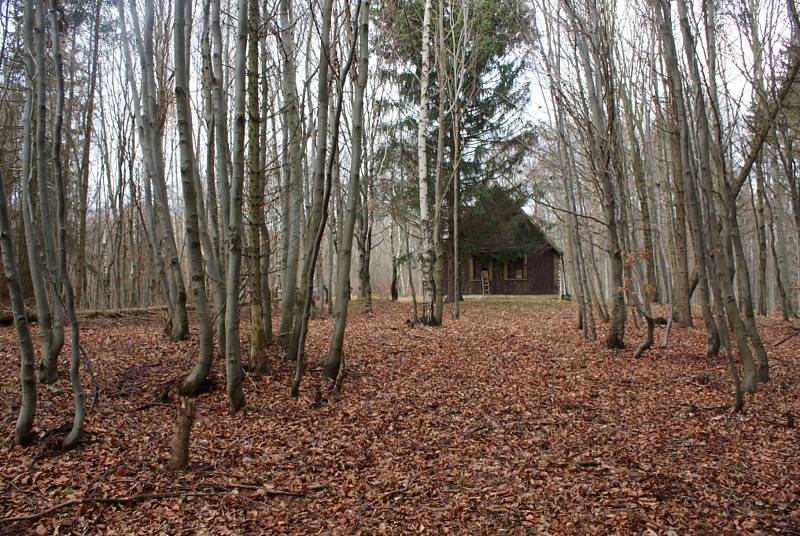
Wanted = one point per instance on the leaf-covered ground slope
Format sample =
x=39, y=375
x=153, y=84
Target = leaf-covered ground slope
x=501, y=422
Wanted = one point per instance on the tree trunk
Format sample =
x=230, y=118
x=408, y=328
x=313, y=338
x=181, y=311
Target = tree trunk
x=336, y=349
x=84, y=169
x=293, y=177
x=23, y=431
x=255, y=196
x=49, y=371
x=306, y=284
x=426, y=230
x=68, y=303
x=233, y=366
x=48, y=367
x=193, y=382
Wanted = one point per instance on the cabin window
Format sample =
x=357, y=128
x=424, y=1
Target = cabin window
x=476, y=266
x=517, y=270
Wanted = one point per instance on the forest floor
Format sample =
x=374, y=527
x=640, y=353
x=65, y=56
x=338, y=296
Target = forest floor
x=501, y=422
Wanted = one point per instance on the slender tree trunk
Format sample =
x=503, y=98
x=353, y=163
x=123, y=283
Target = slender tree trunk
x=48, y=367
x=322, y=172
x=23, y=431
x=68, y=303
x=441, y=75
x=210, y=231
x=426, y=230
x=293, y=177
x=255, y=196
x=233, y=367
x=410, y=265
x=723, y=272
x=687, y=168
x=456, y=187
x=786, y=307
x=603, y=113
x=761, y=239
x=393, y=287
x=84, y=169
x=365, y=251
x=306, y=284
x=336, y=349
x=193, y=382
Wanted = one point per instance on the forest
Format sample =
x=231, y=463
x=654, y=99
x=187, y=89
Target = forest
x=394, y=266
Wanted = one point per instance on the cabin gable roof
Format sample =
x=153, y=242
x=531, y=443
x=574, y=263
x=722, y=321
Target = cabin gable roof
x=497, y=223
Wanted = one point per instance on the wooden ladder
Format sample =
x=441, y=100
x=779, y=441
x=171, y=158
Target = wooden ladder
x=485, y=282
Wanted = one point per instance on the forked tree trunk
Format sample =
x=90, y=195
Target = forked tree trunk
x=48, y=371
x=306, y=284
x=334, y=360
x=723, y=271
x=68, y=302
x=603, y=113
x=208, y=214
x=319, y=211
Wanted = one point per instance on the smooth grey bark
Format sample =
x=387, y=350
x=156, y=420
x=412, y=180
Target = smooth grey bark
x=150, y=139
x=783, y=296
x=180, y=322
x=85, y=154
x=153, y=233
x=48, y=372
x=603, y=112
x=323, y=163
x=322, y=197
x=233, y=366
x=221, y=127
x=364, y=219
x=638, y=168
x=757, y=198
x=456, y=128
x=192, y=383
x=687, y=165
x=208, y=214
x=293, y=177
x=438, y=186
x=566, y=159
x=336, y=348
x=306, y=281
x=23, y=430
x=718, y=245
x=266, y=241
x=68, y=303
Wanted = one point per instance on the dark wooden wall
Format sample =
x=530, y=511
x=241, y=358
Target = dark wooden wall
x=542, y=276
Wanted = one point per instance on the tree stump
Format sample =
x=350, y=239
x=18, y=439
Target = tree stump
x=184, y=418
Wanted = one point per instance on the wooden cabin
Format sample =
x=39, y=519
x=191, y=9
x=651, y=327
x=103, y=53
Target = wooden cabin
x=503, y=251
